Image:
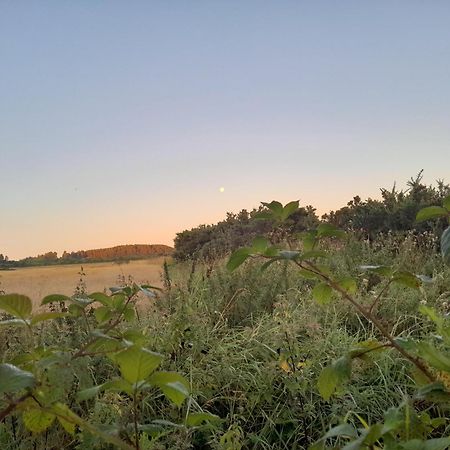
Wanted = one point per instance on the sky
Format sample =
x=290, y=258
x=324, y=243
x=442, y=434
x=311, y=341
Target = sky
x=120, y=121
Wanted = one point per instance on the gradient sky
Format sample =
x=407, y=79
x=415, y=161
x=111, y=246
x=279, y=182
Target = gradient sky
x=120, y=121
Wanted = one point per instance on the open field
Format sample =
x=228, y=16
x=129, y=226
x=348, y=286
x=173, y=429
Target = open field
x=37, y=282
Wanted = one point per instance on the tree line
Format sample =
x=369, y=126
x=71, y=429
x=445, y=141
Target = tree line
x=394, y=212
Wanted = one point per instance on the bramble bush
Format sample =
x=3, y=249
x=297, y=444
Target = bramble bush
x=406, y=426
x=81, y=374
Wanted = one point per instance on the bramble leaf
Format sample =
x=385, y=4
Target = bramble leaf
x=37, y=420
x=13, y=379
x=322, y=293
x=259, y=244
x=327, y=382
x=238, y=258
x=289, y=209
x=136, y=363
x=384, y=271
x=196, y=419
x=17, y=305
x=101, y=298
x=54, y=298
x=431, y=212
x=174, y=386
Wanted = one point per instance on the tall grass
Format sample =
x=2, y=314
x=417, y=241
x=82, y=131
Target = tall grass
x=252, y=345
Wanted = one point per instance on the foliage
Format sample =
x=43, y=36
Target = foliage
x=56, y=381
x=215, y=241
x=395, y=212
x=258, y=356
x=430, y=359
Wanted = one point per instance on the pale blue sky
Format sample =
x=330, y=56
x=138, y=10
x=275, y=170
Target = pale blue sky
x=119, y=120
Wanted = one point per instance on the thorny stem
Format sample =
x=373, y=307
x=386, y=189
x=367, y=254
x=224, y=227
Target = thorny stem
x=367, y=313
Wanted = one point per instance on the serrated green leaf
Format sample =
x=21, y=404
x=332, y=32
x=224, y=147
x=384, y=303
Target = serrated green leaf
x=36, y=420
x=196, y=419
x=68, y=426
x=118, y=300
x=322, y=293
x=259, y=244
x=348, y=284
x=102, y=314
x=75, y=310
x=54, y=298
x=42, y=317
x=275, y=207
x=238, y=258
x=433, y=356
x=129, y=314
x=445, y=246
x=136, y=363
x=174, y=386
x=19, y=306
x=333, y=376
x=289, y=209
x=327, y=382
x=407, y=279
x=384, y=271
x=118, y=385
x=87, y=394
x=431, y=212
x=101, y=297
x=13, y=379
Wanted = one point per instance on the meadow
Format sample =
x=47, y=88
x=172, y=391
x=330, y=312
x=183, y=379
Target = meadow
x=37, y=282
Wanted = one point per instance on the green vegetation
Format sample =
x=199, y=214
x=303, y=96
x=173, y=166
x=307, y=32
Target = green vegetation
x=305, y=337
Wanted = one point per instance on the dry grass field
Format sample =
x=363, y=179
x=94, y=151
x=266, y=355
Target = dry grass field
x=37, y=282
